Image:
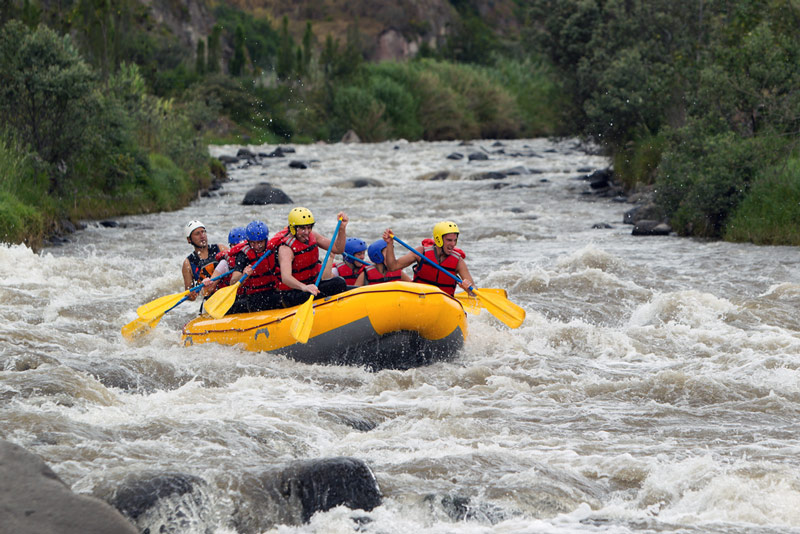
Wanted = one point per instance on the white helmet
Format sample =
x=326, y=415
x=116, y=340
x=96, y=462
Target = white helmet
x=191, y=226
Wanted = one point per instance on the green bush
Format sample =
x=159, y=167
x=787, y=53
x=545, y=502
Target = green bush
x=703, y=178
x=356, y=108
x=770, y=213
x=399, y=104
x=638, y=161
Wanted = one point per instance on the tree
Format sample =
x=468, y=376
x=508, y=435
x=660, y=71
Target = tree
x=47, y=94
x=238, y=61
x=214, y=53
x=308, y=39
x=286, y=58
x=200, y=60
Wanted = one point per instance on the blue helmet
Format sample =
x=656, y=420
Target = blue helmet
x=257, y=231
x=237, y=235
x=355, y=245
x=375, y=251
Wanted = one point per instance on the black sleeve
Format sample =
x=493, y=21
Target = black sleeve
x=241, y=262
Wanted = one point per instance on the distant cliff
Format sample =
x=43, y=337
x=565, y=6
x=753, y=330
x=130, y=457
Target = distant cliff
x=390, y=30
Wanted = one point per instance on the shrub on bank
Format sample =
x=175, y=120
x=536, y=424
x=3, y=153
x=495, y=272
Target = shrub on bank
x=770, y=213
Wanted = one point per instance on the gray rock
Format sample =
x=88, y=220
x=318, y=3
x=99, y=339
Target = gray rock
x=478, y=156
x=456, y=156
x=264, y=193
x=437, y=176
x=292, y=494
x=33, y=500
x=650, y=227
x=297, y=164
x=355, y=183
x=351, y=137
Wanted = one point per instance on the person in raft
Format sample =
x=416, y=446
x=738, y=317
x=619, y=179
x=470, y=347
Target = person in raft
x=299, y=262
x=440, y=250
x=378, y=273
x=202, y=261
x=350, y=269
x=226, y=259
x=257, y=292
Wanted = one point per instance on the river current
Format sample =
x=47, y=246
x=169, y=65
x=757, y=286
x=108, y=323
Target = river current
x=654, y=386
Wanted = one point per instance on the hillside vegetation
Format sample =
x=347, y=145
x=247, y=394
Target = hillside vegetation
x=695, y=101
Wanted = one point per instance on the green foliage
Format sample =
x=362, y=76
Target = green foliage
x=23, y=194
x=237, y=63
x=200, y=58
x=357, y=108
x=286, y=56
x=260, y=38
x=46, y=96
x=638, y=161
x=770, y=214
x=702, y=179
x=213, y=55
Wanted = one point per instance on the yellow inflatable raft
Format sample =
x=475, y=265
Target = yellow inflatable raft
x=396, y=325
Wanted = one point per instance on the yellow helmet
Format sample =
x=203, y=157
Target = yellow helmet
x=299, y=217
x=442, y=228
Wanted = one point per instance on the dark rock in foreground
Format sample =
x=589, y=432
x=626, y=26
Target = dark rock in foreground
x=292, y=494
x=33, y=500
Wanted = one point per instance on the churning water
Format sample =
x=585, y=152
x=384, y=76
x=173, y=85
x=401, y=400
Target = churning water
x=654, y=386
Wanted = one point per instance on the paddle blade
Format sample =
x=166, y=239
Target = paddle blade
x=157, y=307
x=470, y=304
x=139, y=327
x=502, y=308
x=303, y=321
x=221, y=301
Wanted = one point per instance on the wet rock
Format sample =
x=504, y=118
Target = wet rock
x=460, y=508
x=33, y=500
x=109, y=224
x=601, y=226
x=163, y=502
x=492, y=175
x=648, y=211
x=292, y=494
x=516, y=171
x=437, y=176
x=356, y=183
x=456, y=156
x=277, y=153
x=297, y=164
x=228, y=160
x=350, y=137
x=245, y=153
x=478, y=156
x=263, y=194
x=650, y=227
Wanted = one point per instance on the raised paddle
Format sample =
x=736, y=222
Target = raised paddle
x=220, y=302
x=160, y=306
x=351, y=257
x=499, y=306
x=139, y=326
x=304, y=316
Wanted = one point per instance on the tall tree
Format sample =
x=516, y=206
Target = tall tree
x=308, y=40
x=200, y=60
x=286, y=58
x=214, y=49
x=238, y=61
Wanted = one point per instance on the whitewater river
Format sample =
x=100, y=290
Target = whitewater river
x=654, y=386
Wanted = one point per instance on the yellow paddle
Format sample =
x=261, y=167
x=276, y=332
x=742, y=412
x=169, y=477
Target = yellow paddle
x=162, y=305
x=304, y=316
x=498, y=305
x=472, y=304
x=220, y=302
x=139, y=327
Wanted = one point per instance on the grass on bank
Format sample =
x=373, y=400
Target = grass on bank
x=770, y=213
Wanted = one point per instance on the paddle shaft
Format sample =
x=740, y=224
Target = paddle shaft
x=328, y=252
x=445, y=271
x=262, y=258
x=351, y=257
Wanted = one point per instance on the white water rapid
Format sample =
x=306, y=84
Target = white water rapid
x=654, y=386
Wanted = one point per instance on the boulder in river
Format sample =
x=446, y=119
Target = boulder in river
x=33, y=500
x=264, y=193
x=292, y=494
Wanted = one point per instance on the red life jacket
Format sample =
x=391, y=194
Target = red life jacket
x=347, y=272
x=428, y=274
x=230, y=258
x=263, y=277
x=305, y=265
x=373, y=276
